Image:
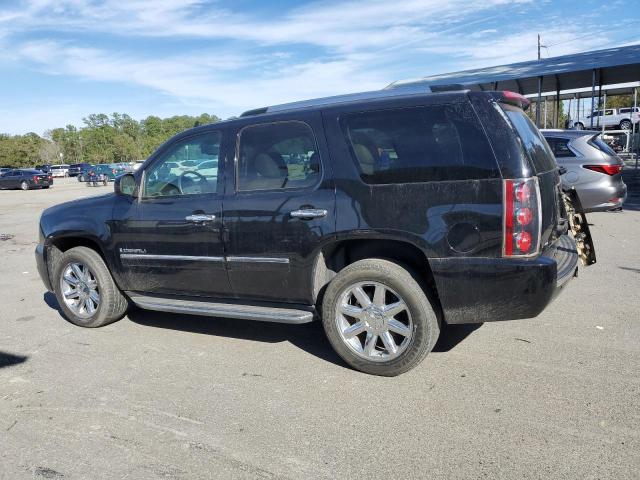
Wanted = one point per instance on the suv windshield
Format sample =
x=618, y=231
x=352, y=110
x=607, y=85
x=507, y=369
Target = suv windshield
x=532, y=140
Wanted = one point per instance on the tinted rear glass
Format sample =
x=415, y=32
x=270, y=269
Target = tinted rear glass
x=532, y=140
x=419, y=144
x=601, y=145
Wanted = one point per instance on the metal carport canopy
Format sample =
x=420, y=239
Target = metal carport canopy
x=613, y=65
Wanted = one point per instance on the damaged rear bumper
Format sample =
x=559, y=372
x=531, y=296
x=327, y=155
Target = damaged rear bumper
x=476, y=290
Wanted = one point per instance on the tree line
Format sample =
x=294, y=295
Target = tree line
x=103, y=138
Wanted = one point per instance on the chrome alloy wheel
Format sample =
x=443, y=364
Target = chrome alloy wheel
x=373, y=321
x=79, y=288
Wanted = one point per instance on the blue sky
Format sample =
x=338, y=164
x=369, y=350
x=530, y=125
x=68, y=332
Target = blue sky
x=61, y=60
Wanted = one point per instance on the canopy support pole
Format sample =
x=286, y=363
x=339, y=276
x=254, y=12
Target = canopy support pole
x=593, y=94
x=539, y=101
x=604, y=111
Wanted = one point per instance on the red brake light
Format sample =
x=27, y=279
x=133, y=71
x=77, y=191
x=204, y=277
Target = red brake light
x=521, y=217
x=35, y=178
x=606, y=169
x=513, y=98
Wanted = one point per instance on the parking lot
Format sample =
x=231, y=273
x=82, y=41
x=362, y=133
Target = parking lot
x=169, y=396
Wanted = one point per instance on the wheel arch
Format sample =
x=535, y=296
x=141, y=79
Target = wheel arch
x=340, y=253
x=56, y=246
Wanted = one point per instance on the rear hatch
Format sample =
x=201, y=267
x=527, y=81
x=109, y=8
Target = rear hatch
x=543, y=166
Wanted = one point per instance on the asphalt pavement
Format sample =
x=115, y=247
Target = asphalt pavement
x=163, y=396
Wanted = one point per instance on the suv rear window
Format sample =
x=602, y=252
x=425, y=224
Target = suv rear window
x=597, y=142
x=532, y=140
x=419, y=144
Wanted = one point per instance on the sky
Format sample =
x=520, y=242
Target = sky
x=61, y=60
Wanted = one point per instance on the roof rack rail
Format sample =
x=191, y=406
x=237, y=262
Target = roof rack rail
x=255, y=111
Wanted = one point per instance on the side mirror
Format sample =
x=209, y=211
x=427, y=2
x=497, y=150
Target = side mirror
x=125, y=185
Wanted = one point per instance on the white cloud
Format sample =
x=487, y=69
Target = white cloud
x=323, y=48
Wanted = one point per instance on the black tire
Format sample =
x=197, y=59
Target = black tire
x=578, y=126
x=46, y=187
x=426, y=328
x=625, y=125
x=24, y=185
x=113, y=304
x=81, y=178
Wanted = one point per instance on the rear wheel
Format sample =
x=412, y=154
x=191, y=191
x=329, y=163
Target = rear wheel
x=24, y=185
x=625, y=125
x=578, y=126
x=85, y=289
x=378, y=318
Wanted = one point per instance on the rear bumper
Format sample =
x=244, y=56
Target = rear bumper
x=42, y=263
x=602, y=198
x=476, y=290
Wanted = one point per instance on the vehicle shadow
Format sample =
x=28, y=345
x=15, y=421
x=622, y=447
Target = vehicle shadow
x=8, y=359
x=452, y=335
x=52, y=302
x=309, y=337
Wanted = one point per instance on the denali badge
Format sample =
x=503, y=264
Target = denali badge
x=133, y=250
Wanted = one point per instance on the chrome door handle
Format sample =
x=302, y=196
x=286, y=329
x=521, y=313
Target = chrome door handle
x=199, y=218
x=309, y=213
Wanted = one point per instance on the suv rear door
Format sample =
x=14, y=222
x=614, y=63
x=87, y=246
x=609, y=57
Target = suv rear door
x=280, y=208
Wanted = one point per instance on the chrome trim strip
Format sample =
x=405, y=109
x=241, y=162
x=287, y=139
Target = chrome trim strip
x=137, y=256
x=258, y=259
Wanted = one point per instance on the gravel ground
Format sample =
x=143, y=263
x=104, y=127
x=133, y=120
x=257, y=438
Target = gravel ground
x=177, y=397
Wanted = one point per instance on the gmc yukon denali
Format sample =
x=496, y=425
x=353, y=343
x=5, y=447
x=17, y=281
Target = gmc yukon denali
x=385, y=214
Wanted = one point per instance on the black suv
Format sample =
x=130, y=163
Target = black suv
x=384, y=213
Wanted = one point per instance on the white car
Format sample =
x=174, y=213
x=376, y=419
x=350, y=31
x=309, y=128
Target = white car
x=61, y=170
x=609, y=117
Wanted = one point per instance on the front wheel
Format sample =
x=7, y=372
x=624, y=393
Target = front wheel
x=85, y=289
x=24, y=185
x=578, y=126
x=378, y=318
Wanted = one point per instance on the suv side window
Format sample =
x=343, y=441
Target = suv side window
x=561, y=148
x=189, y=167
x=419, y=144
x=276, y=156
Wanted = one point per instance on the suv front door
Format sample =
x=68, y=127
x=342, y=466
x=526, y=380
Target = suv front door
x=169, y=240
x=280, y=209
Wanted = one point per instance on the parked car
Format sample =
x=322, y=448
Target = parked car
x=102, y=173
x=403, y=210
x=43, y=168
x=83, y=175
x=593, y=169
x=25, y=179
x=60, y=170
x=77, y=168
x=5, y=169
x=622, y=119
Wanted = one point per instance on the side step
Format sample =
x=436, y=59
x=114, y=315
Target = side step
x=222, y=310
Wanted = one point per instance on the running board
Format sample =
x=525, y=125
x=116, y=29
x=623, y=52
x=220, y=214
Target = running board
x=222, y=310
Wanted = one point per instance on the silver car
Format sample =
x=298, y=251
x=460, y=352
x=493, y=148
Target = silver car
x=592, y=168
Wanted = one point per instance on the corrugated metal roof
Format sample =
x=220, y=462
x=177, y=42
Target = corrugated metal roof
x=614, y=65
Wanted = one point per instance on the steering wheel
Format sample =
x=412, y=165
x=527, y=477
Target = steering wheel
x=191, y=172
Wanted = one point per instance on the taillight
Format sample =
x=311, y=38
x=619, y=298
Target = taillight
x=35, y=178
x=513, y=98
x=606, y=169
x=521, y=218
